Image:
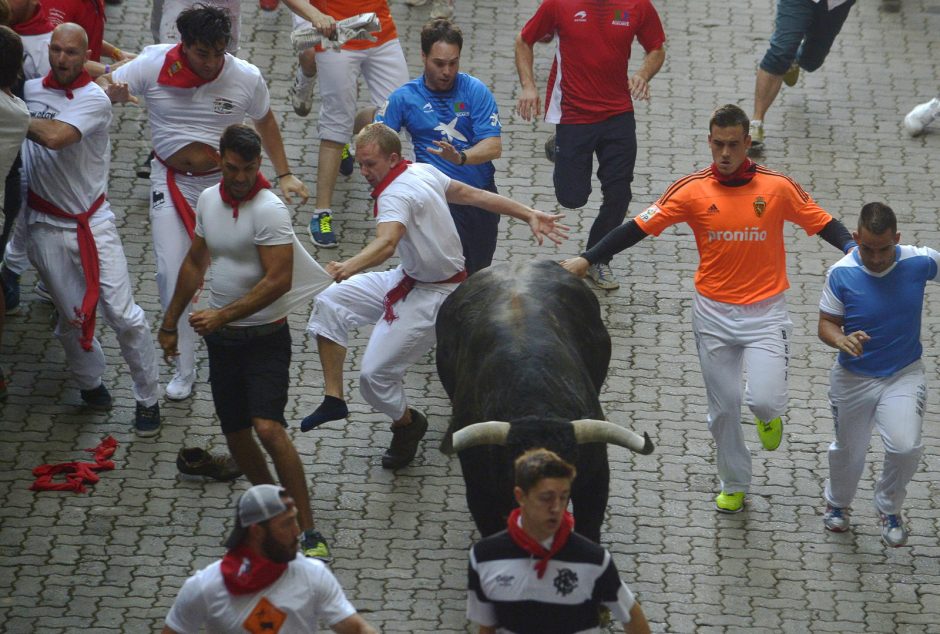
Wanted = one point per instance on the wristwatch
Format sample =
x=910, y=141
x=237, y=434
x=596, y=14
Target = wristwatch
x=463, y=157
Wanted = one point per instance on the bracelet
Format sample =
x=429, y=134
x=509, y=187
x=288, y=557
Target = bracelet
x=169, y=331
x=107, y=69
x=463, y=157
x=280, y=176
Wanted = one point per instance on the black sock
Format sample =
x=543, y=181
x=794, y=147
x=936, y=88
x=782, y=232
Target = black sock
x=331, y=408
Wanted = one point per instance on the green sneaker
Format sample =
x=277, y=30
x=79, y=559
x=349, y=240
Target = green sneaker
x=790, y=77
x=729, y=502
x=770, y=433
x=313, y=544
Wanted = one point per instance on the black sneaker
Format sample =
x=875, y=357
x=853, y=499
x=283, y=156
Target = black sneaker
x=196, y=461
x=314, y=545
x=11, y=290
x=98, y=398
x=147, y=420
x=405, y=441
x=347, y=162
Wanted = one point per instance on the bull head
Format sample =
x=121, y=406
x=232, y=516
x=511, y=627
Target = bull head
x=586, y=430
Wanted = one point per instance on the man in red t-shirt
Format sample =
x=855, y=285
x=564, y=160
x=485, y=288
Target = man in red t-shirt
x=590, y=103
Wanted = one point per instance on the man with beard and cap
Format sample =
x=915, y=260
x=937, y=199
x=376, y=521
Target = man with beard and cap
x=454, y=124
x=66, y=161
x=737, y=210
x=261, y=584
x=539, y=575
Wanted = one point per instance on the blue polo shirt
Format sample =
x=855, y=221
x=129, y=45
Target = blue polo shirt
x=463, y=116
x=887, y=306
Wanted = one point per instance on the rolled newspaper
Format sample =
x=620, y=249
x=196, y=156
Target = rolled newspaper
x=357, y=27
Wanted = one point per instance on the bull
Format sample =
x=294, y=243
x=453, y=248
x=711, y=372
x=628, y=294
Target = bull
x=522, y=352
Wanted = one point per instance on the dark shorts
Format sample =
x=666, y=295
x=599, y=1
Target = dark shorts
x=478, y=231
x=249, y=371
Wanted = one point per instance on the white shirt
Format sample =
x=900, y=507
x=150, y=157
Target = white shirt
x=14, y=122
x=306, y=593
x=180, y=116
x=430, y=250
x=236, y=265
x=36, y=55
x=73, y=177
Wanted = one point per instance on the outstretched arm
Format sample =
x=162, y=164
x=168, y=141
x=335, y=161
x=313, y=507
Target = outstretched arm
x=620, y=239
x=273, y=144
x=541, y=223
x=387, y=235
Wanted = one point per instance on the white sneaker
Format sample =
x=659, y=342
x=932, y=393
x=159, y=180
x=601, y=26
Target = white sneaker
x=920, y=117
x=442, y=10
x=603, y=277
x=180, y=387
x=301, y=93
x=757, y=136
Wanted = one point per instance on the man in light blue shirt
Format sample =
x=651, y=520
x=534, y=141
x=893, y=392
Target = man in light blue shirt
x=871, y=312
x=454, y=124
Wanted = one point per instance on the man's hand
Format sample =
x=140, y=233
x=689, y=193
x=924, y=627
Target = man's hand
x=529, y=105
x=290, y=184
x=168, y=343
x=446, y=151
x=119, y=92
x=340, y=271
x=639, y=87
x=579, y=266
x=325, y=24
x=206, y=321
x=543, y=224
x=854, y=343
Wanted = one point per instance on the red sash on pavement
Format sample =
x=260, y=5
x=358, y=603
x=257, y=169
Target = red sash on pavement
x=76, y=473
x=88, y=251
x=400, y=291
x=182, y=206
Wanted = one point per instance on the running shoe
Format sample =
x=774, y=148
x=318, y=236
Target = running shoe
x=729, y=502
x=301, y=93
x=603, y=277
x=757, y=137
x=321, y=230
x=893, y=531
x=347, y=161
x=836, y=519
x=792, y=74
x=147, y=420
x=98, y=398
x=405, y=441
x=313, y=544
x=770, y=432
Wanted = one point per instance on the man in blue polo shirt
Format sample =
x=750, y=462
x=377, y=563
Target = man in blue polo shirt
x=454, y=125
x=871, y=311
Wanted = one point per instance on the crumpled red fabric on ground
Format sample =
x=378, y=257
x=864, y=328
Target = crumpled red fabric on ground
x=76, y=473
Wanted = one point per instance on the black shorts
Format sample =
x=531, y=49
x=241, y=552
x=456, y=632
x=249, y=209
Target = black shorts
x=249, y=371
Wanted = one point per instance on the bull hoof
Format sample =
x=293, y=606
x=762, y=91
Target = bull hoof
x=405, y=441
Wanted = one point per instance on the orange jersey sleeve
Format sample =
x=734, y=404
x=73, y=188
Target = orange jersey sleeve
x=342, y=9
x=738, y=230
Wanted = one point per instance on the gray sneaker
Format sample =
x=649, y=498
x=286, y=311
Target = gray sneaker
x=893, y=531
x=301, y=93
x=836, y=519
x=603, y=277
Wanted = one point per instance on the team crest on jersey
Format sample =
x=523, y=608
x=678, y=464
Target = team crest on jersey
x=621, y=18
x=580, y=16
x=759, y=206
x=566, y=581
x=504, y=581
x=175, y=67
x=221, y=105
x=461, y=109
x=651, y=211
x=494, y=120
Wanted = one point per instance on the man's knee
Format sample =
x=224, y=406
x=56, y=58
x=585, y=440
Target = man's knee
x=571, y=197
x=271, y=433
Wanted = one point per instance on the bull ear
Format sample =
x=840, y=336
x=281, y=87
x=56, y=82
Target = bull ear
x=589, y=430
x=489, y=433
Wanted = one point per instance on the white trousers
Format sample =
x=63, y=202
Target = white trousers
x=15, y=258
x=54, y=253
x=384, y=69
x=170, y=245
x=732, y=339
x=393, y=347
x=895, y=405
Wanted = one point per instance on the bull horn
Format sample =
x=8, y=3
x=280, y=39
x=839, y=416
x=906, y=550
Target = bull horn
x=588, y=430
x=489, y=433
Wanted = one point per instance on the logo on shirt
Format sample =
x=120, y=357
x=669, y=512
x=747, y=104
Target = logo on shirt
x=621, y=18
x=381, y=112
x=221, y=105
x=649, y=213
x=156, y=200
x=759, y=206
x=265, y=617
x=174, y=68
x=504, y=581
x=750, y=234
x=494, y=120
x=580, y=16
x=46, y=114
x=566, y=581
x=449, y=131
x=426, y=107
x=713, y=209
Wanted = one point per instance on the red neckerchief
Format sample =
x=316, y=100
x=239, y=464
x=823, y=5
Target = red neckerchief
x=260, y=183
x=52, y=83
x=393, y=173
x=77, y=474
x=176, y=71
x=36, y=25
x=245, y=571
x=525, y=541
x=741, y=176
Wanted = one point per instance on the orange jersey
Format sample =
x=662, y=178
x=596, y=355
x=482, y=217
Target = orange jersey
x=738, y=230
x=342, y=9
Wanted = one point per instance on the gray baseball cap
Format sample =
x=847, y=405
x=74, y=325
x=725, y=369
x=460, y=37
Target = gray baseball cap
x=259, y=503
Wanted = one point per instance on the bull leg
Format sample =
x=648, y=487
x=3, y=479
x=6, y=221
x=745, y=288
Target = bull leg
x=589, y=497
x=488, y=500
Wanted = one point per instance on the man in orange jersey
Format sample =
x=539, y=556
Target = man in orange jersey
x=736, y=210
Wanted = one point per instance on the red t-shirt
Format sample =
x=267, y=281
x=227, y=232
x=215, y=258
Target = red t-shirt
x=88, y=14
x=589, y=81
